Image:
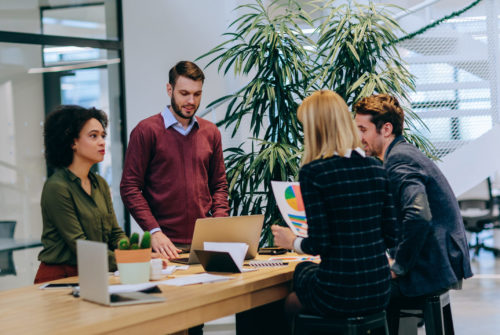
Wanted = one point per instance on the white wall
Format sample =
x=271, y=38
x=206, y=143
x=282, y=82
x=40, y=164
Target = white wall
x=163, y=32
x=469, y=165
x=159, y=35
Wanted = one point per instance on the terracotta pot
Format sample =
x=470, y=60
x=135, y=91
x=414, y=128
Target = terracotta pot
x=133, y=265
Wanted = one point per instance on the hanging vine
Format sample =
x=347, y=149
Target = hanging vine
x=437, y=22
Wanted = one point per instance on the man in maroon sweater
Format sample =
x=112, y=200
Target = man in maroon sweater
x=174, y=169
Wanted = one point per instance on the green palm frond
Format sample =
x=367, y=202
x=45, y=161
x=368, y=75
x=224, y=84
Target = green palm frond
x=351, y=51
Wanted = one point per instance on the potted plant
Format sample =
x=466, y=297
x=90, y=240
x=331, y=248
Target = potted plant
x=133, y=258
x=267, y=44
x=351, y=50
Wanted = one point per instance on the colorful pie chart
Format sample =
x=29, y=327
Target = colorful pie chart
x=294, y=198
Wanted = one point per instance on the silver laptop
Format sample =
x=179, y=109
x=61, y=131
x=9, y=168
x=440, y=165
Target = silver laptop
x=244, y=229
x=93, y=277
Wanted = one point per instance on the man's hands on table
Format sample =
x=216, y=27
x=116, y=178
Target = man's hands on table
x=162, y=245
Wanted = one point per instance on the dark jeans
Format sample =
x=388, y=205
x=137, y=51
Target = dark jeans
x=264, y=320
x=197, y=330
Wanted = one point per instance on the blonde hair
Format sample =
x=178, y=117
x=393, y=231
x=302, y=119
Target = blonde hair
x=328, y=126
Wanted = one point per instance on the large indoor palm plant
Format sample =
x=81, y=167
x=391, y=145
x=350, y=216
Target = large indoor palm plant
x=268, y=45
x=357, y=56
x=350, y=50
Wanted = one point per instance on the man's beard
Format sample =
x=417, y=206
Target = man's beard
x=177, y=109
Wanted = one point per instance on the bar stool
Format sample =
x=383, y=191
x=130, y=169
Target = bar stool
x=311, y=324
x=436, y=312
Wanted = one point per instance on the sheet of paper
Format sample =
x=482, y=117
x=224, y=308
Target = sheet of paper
x=172, y=268
x=295, y=258
x=194, y=279
x=169, y=270
x=289, y=200
x=236, y=250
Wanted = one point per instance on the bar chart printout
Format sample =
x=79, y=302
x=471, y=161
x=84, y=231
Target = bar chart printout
x=289, y=200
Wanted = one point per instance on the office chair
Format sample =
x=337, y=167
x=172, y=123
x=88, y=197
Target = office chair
x=479, y=212
x=7, y=266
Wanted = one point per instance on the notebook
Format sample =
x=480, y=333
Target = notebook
x=217, y=261
x=93, y=277
x=244, y=229
x=223, y=256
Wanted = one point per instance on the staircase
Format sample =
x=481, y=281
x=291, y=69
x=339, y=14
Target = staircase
x=457, y=65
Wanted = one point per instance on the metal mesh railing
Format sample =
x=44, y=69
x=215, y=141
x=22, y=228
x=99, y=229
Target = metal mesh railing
x=457, y=67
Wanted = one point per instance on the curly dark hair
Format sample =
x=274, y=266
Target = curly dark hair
x=383, y=108
x=62, y=127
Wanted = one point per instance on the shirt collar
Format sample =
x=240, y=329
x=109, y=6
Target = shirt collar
x=398, y=139
x=349, y=152
x=170, y=120
x=74, y=178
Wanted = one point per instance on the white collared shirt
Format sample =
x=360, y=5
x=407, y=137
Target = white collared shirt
x=349, y=152
x=171, y=121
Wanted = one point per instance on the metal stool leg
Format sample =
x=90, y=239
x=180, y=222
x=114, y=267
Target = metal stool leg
x=448, y=320
x=433, y=316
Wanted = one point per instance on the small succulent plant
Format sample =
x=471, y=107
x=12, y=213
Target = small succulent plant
x=133, y=242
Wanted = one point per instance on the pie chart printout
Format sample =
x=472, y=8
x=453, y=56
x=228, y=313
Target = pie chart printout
x=294, y=198
x=291, y=205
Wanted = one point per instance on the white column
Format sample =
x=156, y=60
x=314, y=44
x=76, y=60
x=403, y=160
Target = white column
x=493, y=57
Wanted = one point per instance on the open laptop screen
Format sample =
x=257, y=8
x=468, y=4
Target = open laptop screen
x=243, y=229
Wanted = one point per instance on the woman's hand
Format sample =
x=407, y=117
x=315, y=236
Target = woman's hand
x=283, y=237
x=391, y=262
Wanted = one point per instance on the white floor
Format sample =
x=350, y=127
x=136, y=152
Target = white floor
x=224, y=326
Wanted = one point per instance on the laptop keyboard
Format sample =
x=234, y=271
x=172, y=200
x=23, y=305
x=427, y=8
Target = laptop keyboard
x=182, y=260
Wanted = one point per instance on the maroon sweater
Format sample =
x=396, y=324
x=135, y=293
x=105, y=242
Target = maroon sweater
x=170, y=180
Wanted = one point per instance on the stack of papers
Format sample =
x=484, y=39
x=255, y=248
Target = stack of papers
x=168, y=271
x=172, y=268
x=295, y=258
x=194, y=279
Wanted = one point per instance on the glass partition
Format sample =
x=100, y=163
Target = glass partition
x=75, y=18
x=22, y=167
x=35, y=77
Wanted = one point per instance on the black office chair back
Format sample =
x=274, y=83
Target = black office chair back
x=7, y=266
x=481, y=192
x=7, y=229
x=477, y=204
x=478, y=211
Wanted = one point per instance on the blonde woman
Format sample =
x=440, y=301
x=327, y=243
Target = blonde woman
x=350, y=216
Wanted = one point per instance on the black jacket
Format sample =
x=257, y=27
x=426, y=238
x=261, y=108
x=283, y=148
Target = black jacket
x=432, y=252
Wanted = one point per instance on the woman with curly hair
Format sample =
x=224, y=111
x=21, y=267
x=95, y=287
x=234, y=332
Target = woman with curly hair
x=76, y=202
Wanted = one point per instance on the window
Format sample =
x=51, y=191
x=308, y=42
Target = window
x=69, y=53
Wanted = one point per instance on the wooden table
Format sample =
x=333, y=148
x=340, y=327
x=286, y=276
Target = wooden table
x=30, y=310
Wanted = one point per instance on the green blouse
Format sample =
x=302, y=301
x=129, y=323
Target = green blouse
x=69, y=214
